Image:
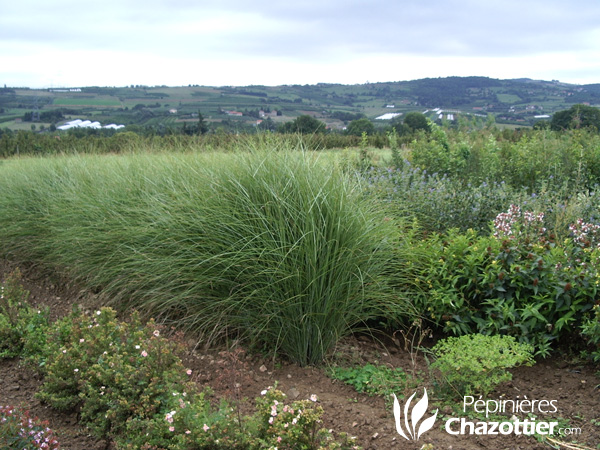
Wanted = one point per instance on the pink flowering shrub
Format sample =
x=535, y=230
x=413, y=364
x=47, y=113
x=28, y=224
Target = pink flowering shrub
x=18, y=430
x=519, y=280
x=586, y=235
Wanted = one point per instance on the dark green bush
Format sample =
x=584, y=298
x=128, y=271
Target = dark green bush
x=519, y=281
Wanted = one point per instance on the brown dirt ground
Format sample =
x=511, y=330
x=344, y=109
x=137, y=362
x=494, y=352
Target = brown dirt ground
x=572, y=384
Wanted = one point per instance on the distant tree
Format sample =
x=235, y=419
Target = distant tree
x=541, y=125
x=267, y=125
x=202, y=125
x=416, y=121
x=577, y=116
x=346, y=116
x=360, y=126
x=304, y=124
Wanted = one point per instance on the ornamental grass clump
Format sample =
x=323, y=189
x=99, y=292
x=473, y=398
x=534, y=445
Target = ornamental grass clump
x=274, y=246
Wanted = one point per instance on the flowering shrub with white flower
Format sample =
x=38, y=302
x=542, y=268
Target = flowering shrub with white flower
x=296, y=425
x=129, y=385
x=114, y=371
x=275, y=425
x=22, y=327
x=18, y=430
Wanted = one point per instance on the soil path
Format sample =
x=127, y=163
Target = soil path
x=573, y=386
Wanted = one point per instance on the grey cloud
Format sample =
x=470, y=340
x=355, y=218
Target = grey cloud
x=310, y=30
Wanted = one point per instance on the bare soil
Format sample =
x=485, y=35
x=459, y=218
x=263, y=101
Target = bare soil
x=571, y=383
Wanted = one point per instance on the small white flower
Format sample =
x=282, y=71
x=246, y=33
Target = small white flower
x=156, y=333
x=264, y=392
x=313, y=398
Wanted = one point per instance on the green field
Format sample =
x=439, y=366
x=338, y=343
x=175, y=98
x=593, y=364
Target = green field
x=509, y=98
x=86, y=102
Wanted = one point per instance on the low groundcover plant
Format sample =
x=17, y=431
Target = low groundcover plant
x=476, y=363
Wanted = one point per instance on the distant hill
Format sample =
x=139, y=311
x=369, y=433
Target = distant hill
x=518, y=101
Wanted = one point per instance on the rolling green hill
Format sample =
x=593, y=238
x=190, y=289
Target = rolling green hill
x=518, y=101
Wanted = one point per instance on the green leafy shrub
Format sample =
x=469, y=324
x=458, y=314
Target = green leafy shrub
x=590, y=330
x=128, y=384
x=519, y=281
x=370, y=379
x=437, y=201
x=113, y=371
x=296, y=425
x=476, y=364
x=22, y=328
x=192, y=423
x=18, y=430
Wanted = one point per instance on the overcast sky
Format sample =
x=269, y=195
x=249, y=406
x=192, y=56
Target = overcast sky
x=45, y=43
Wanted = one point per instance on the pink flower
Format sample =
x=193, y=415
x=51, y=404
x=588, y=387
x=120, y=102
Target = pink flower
x=171, y=428
x=278, y=439
x=144, y=353
x=189, y=371
x=205, y=427
x=156, y=333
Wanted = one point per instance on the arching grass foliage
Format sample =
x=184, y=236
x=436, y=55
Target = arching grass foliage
x=270, y=245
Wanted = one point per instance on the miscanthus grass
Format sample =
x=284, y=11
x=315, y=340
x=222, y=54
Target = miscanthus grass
x=272, y=246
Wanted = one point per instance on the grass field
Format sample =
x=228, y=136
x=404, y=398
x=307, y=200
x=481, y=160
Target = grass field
x=96, y=101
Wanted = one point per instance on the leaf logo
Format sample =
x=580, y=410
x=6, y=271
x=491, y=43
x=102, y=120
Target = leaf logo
x=416, y=415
